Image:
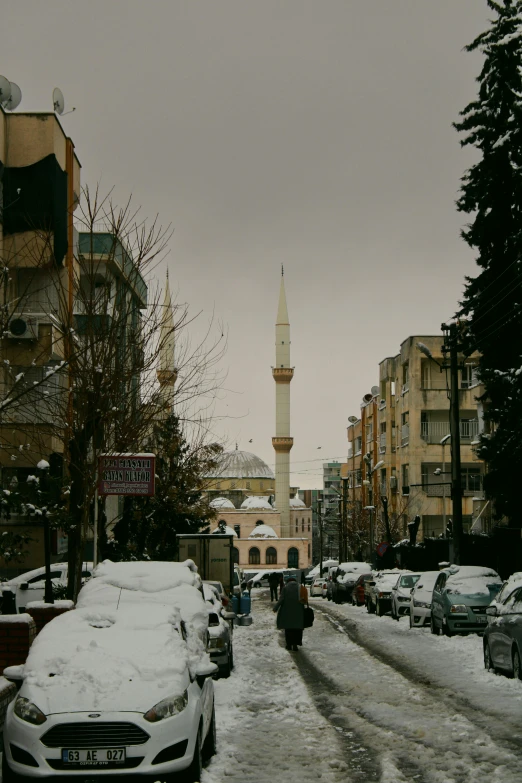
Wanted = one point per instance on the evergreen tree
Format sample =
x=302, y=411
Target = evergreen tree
x=148, y=526
x=491, y=193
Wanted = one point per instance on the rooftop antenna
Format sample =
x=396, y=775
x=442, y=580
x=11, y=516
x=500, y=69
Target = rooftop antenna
x=14, y=99
x=5, y=90
x=59, y=103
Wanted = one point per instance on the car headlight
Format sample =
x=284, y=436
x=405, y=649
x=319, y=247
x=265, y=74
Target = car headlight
x=422, y=604
x=28, y=711
x=459, y=609
x=167, y=708
x=216, y=644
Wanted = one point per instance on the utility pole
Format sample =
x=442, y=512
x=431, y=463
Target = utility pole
x=345, y=518
x=451, y=346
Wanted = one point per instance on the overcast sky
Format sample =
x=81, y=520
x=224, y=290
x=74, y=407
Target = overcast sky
x=313, y=133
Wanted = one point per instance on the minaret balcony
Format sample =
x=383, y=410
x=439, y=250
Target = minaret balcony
x=283, y=374
x=282, y=444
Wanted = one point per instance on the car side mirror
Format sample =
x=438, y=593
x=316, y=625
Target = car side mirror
x=491, y=611
x=14, y=673
x=204, y=671
x=24, y=586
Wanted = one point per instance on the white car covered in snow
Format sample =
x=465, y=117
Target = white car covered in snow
x=421, y=596
x=219, y=632
x=121, y=684
x=30, y=586
x=401, y=594
x=319, y=587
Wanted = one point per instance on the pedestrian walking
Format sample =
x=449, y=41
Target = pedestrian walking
x=281, y=585
x=273, y=581
x=290, y=613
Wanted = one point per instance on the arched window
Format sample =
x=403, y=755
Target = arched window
x=235, y=555
x=254, y=558
x=259, y=522
x=271, y=556
x=293, y=558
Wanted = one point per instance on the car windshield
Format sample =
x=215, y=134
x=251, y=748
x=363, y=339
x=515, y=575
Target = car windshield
x=410, y=580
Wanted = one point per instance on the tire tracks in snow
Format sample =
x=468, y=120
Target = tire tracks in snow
x=414, y=729
x=509, y=736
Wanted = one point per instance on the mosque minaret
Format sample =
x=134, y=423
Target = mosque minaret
x=167, y=373
x=282, y=442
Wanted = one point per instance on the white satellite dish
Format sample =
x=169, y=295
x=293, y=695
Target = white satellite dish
x=15, y=97
x=375, y=390
x=5, y=90
x=58, y=101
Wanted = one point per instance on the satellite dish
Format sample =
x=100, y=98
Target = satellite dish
x=15, y=97
x=5, y=90
x=368, y=398
x=58, y=101
x=375, y=390
x=352, y=419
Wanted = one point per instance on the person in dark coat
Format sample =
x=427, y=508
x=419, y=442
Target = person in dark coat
x=281, y=584
x=273, y=581
x=290, y=614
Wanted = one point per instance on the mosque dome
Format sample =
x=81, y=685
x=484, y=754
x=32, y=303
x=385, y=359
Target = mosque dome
x=263, y=531
x=242, y=465
x=221, y=503
x=257, y=503
x=228, y=531
x=297, y=503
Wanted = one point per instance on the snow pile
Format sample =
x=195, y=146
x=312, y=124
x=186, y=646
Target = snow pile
x=229, y=531
x=221, y=503
x=96, y=657
x=63, y=604
x=254, y=503
x=297, y=503
x=472, y=580
x=263, y=531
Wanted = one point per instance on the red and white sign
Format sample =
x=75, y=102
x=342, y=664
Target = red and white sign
x=382, y=547
x=126, y=474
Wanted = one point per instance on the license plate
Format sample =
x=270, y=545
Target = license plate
x=94, y=757
x=481, y=619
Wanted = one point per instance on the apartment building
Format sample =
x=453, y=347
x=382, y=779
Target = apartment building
x=399, y=447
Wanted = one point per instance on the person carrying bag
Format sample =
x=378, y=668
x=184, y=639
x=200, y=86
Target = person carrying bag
x=308, y=616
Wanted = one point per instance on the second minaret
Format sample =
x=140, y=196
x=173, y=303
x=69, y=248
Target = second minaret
x=282, y=443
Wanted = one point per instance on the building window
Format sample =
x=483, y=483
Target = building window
x=293, y=558
x=309, y=551
x=358, y=477
x=271, y=556
x=471, y=480
x=259, y=522
x=302, y=526
x=358, y=445
x=237, y=530
x=405, y=476
x=297, y=526
x=247, y=484
x=254, y=557
x=235, y=555
x=308, y=524
x=405, y=377
x=469, y=376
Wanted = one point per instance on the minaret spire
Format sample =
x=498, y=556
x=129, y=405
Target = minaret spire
x=167, y=373
x=283, y=442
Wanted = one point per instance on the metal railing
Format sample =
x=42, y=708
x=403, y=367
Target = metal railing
x=434, y=431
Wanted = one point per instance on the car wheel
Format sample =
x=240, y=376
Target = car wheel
x=445, y=628
x=193, y=773
x=517, y=665
x=354, y=601
x=378, y=609
x=434, y=628
x=488, y=661
x=210, y=745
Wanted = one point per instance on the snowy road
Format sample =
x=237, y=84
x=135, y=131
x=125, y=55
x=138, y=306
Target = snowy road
x=366, y=699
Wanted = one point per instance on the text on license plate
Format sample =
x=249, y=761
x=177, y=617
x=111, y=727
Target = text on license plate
x=93, y=757
x=481, y=619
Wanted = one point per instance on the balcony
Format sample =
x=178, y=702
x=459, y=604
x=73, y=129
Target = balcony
x=434, y=431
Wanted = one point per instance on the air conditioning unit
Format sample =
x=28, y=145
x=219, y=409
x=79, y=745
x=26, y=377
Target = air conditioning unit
x=23, y=327
x=393, y=483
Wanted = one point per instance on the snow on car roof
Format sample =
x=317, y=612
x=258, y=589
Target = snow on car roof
x=102, y=658
x=471, y=580
x=356, y=567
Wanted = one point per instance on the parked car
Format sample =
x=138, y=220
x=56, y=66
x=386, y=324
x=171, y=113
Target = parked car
x=515, y=580
x=31, y=585
x=421, y=597
x=319, y=587
x=401, y=594
x=358, y=590
x=219, y=645
x=377, y=591
x=503, y=634
x=223, y=597
x=121, y=683
x=344, y=578
x=460, y=597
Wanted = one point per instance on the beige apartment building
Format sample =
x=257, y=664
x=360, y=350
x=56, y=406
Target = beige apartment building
x=403, y=428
